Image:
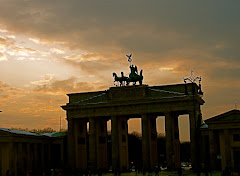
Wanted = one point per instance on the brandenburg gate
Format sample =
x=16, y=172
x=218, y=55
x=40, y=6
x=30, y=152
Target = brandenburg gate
x=119, y=104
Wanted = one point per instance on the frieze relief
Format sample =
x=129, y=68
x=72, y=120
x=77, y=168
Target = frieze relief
x=126, y=94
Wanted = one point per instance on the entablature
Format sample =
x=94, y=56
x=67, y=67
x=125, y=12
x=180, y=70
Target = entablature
x=133, y=100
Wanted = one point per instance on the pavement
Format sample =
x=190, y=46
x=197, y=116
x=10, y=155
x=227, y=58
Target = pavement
x=166, y=173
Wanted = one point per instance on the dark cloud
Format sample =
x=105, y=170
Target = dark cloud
x=109, y=27
x=224, y=73
x=158, y=33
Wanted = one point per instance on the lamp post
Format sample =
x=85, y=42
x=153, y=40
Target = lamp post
x=60, y=123
x=192, y=79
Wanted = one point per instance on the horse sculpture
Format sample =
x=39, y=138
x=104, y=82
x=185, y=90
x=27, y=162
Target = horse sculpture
x=121, y=79
x=133, y=77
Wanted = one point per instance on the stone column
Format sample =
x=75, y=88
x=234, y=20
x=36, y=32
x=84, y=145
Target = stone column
x=80, y=134
x=31, y=157
x=123, y=143
x=49, y=154
x=92, y=143
x=1, y=158
x=62, y=153
x=28, y=156
x=35, y=156
x=101, y=143
x=153, y=143
x=115, y=143
x=71, y=144
x=24, y=150
x=42, y=162
x=227, y=149
x=149, y=141
x=195, y=148
x=169, y=140
x=176, y=142
x=119, y=143
x=145, y=142
x=12, y=158
x=20, y=161
x=213, y=142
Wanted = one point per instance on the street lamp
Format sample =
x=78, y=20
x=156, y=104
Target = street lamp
x=192, y=79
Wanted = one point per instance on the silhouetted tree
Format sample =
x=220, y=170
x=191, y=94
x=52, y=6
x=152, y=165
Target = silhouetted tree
x=44, y=130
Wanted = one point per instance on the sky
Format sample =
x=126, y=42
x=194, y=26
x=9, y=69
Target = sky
x=51, y=48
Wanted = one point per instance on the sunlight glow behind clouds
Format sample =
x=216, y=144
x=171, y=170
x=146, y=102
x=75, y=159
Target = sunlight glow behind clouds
x=3, y=30
x=11, y=36
x=82, y=57
x=36, y=40
x=51, y=48
x=166, y=68
x=47, y=78
x=3, y=57
x=57, y=50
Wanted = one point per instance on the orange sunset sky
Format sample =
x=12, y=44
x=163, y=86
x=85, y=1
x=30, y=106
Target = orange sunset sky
x=49, y=48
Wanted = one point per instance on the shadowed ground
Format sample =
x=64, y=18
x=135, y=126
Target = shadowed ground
x=167, y=173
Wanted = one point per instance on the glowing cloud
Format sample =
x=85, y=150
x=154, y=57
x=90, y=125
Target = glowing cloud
x=47, y=78
x=166, y=68
x=37, y=41
x=3, y=57
x=57, y=50
x=11, y=36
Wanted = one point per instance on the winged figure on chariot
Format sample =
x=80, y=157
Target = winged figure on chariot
x=133, y=78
